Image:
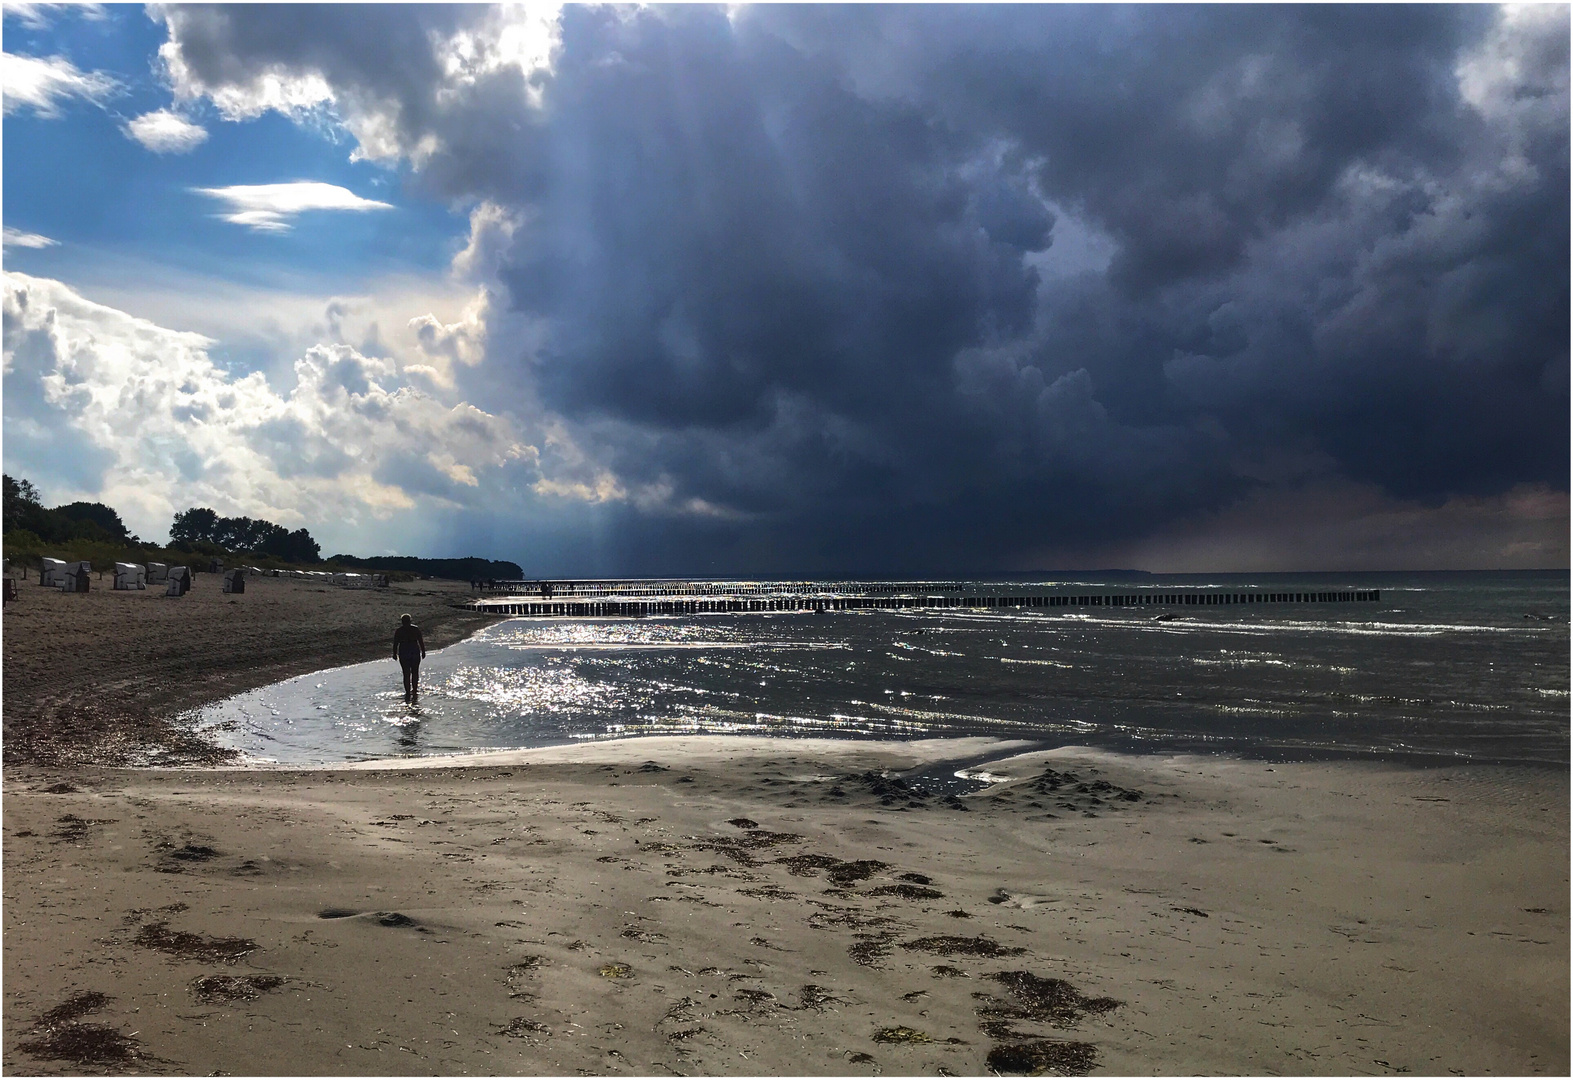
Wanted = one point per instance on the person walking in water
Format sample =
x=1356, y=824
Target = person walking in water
x=409, y=649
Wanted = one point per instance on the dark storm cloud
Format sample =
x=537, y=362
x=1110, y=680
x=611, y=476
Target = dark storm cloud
x=806, y=269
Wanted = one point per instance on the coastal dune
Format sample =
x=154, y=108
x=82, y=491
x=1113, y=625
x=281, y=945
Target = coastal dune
x=716, y=904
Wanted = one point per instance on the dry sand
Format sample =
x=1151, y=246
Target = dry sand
x=748, y=906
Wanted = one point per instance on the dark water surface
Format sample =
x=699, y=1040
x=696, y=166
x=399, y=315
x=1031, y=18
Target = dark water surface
x=1447, y=667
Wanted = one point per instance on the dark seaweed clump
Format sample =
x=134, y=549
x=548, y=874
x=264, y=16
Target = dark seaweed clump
x=74, y=1008
x=950, y=945
x=84, y=1044
x=58, y=1035
x=816, y=998
x=839, y=873
x=1052, y=1001
x=739, y=848
x=193, y=946
x=907, y=892
x=217, y=988
x=870, y=949
x=1043, y=1056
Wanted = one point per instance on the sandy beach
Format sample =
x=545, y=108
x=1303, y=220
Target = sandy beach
x=97, y=677
x=736, y=905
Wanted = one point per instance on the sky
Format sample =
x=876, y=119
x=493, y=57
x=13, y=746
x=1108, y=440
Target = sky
x=800, y=290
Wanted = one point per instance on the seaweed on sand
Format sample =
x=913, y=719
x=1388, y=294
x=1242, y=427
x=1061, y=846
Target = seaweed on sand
x=838, y=872
x=193, y=946
x=1052, y=1001
x=739, y=848
x=815, y=998
x=213, y=989
x=951, y=945
x=901, y=1035
x=59, y=1035
x=907, y=892
x=869, y=949
x=1042, y=1056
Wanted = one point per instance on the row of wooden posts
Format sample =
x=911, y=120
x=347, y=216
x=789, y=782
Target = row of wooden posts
x=719, y=605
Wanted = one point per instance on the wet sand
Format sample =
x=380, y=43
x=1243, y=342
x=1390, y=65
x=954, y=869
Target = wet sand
x=749, y=906
x=99, y=677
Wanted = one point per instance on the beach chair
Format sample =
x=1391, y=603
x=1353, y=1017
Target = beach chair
x=54, y=571
x=157, y=573
x=235, y=580
x=10, y=588
x=130, y=576
x=76, y=577
x=179, y=581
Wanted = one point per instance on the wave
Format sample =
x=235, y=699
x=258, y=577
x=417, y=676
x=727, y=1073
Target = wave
x=646, y=646
x=1183, y=625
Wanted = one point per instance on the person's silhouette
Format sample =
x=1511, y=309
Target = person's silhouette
x=409, y=649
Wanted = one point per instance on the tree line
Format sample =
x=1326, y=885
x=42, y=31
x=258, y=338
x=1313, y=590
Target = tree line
x=28, y=523
x=96, y=531
x=200, y=525
x=90, y=521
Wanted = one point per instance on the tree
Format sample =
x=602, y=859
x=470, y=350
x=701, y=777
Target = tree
x=197, y=523
x=299, y=547
x=105, y=517
x=22, y=508
x=200, y=525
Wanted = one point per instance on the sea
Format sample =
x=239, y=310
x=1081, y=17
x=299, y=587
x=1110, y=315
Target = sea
x=1446, y=668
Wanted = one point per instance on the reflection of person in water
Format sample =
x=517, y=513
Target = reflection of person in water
x=409, y=649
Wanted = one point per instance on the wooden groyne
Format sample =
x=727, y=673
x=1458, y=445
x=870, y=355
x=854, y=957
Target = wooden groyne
x=611, y=605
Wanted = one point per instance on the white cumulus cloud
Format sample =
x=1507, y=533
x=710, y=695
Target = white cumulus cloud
x=98, y=400
x=18, y=238
x=273, y=207
x=165, y=132
x=43, y=83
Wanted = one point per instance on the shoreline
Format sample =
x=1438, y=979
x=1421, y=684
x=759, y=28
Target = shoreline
x=110, y=677
x=501, y=757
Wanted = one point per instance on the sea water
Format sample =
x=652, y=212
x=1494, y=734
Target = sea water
x=1446, y=667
